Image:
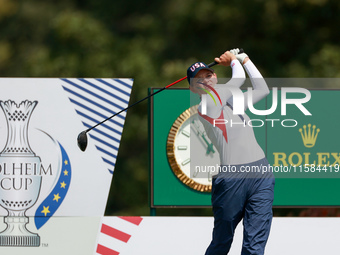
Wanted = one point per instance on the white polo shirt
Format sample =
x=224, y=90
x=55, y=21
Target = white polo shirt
x=230, y=133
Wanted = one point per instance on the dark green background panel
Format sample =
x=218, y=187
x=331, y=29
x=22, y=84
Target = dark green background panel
x=291, y=189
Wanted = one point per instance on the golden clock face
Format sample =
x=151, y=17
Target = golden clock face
x=190, y=152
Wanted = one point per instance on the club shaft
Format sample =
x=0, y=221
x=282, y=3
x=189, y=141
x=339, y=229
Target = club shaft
x=168, y=86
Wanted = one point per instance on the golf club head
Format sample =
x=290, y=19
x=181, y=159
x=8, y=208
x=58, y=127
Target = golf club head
x=82, y=140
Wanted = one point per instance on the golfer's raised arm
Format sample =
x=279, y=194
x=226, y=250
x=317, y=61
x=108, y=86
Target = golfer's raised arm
x=229, y=59
x=260, y=88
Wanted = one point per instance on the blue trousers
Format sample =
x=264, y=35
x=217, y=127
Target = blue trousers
x=237, y=196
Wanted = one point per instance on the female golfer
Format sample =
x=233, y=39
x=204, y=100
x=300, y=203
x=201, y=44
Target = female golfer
x=241, y=190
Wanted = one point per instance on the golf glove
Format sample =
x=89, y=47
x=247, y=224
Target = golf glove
x=241, y=57
x=235, y=51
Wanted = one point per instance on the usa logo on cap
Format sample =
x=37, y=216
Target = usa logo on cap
x=195, y=68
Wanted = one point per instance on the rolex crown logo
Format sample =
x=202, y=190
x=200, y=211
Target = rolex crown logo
x=309, y=136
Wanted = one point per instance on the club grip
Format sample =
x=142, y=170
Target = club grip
x=215, y=63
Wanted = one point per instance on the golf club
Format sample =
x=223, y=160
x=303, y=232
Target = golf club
x=82, y=137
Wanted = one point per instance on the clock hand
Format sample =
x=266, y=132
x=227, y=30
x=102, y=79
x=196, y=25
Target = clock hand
x=210, y=147
x=202, y=134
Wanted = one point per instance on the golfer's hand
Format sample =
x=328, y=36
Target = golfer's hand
x=235, y=51
x=242, y=57
x=225, y=59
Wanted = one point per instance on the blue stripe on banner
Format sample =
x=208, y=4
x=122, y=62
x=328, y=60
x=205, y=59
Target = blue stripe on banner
x=103, y=133
x=111, y=163
x=92, y=102
x=93, y=94
x=108, y=162
x=52, y=202
x=104, y=142
x=105, y=91
x=103, y=125
x=106, y=152
x=94, y=120
x=123, y=83
x=113, y=87
x=96, y=113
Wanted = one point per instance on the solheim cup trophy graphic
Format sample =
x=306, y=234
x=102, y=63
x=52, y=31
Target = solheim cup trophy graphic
x=20, y=177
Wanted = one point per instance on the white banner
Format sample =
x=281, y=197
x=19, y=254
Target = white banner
x=43, y=173
x=192, y=235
